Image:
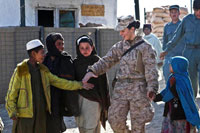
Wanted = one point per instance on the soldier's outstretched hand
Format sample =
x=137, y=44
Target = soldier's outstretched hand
x=87, y=86
x=88, y=76
x=162, y=55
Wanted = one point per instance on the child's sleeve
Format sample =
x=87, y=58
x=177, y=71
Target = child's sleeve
x=158, y=98
x=63, y=83
x=12, y=95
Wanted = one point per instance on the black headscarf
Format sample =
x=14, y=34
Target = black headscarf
x=100, y=92
x=84, y=38
x=50, y=42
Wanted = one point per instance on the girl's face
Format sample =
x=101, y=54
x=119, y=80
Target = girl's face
x=171, y=69
x=85, y=49
x=59, y=45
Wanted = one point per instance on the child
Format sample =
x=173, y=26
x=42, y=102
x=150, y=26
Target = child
x=63, y=103
x=180, y=112
x=94, y=103
x=28, y=97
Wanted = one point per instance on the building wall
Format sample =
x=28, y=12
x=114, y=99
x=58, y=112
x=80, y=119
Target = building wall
x=13, y=41
x=13, y=19
x=9, y=13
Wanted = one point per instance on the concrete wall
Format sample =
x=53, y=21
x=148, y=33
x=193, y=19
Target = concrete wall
x=13, y=50
x=70, y=35
x=12, y=7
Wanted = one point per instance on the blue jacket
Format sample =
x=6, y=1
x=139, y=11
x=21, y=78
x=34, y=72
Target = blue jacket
x=189, y=28
x=168, y=34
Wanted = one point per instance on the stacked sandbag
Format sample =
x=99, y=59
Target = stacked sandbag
x=160, y=16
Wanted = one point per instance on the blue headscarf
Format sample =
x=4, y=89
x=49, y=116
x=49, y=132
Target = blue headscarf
x=184, y=90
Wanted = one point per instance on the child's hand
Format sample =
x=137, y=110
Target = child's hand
x=88, y=76
x=151, y=95
x=13, y=118
x=162, y=55
x=87, y=86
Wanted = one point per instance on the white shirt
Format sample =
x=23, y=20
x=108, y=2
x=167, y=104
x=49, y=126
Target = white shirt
x=156, y=44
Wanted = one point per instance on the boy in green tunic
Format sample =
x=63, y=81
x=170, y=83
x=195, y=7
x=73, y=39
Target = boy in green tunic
x=28, y=97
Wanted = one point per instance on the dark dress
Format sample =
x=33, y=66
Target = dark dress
x=100, y=91
x=63, y=102
x=37, y=124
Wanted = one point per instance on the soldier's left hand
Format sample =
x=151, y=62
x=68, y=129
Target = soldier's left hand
x=151, y=95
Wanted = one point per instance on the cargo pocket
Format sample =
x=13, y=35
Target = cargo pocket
x=149, y=111
x=140, y=65
x=22, y=99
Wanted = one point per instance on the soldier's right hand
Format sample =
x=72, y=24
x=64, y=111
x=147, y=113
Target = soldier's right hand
x=88, y=76
x=151, y=95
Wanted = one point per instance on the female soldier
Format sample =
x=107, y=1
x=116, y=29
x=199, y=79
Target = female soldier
x=136, y=79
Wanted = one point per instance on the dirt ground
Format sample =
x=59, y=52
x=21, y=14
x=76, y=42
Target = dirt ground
x=153, y=127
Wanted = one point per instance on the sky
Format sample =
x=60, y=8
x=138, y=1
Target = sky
x=126, y=7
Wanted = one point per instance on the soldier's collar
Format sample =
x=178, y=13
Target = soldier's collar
x=132, y=42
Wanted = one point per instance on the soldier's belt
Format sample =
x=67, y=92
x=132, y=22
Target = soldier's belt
x=130, y=80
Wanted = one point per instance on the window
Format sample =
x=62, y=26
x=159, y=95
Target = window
x=49, y=17
x=66, y=18
x=46, y=18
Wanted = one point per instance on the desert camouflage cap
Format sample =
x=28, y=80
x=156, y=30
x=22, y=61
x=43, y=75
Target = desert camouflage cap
x=123, y=22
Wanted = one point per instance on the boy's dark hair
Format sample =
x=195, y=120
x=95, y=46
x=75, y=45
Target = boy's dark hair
x=35, y=49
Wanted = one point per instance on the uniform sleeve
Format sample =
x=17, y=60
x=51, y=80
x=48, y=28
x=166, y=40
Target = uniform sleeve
x=106, y=62
x=165, y=40
x=178, y=34
x=63, y=83
x=12, y=95
x=151, y=72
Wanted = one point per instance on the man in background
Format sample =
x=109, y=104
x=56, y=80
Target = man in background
x=169, y=30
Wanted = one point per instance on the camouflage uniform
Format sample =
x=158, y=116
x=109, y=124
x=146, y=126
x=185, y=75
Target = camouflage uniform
x=136, y=76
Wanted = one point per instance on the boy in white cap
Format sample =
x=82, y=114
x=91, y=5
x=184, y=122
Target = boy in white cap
x=28, y=97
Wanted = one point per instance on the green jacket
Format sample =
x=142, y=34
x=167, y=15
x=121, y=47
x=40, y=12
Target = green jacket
x=19, y=96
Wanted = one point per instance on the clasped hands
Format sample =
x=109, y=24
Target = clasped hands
x=87, y=76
